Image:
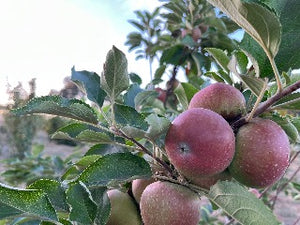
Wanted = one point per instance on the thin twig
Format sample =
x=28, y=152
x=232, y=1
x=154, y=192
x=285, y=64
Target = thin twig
x=146, y=151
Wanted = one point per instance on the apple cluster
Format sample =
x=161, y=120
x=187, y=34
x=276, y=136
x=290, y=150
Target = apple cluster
x=203, y=148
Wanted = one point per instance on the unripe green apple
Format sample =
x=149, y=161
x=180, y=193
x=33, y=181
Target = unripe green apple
x=262, y=153
x=207, y=182
x=200, y=142
x=123, y=209
x=138, y=186
x=221, y=98
x=165, y=203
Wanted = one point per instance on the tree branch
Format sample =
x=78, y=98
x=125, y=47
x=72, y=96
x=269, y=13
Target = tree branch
x=266, y=104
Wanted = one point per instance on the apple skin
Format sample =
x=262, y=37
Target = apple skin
x=165, y=203
x=199, y=143
x=138, y=186
x=162, y=94
x=123, y=209
x=221, y=98
x=262, y=153
x=207, y=182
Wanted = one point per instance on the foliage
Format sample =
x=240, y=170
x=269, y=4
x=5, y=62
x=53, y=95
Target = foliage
x=127, y=136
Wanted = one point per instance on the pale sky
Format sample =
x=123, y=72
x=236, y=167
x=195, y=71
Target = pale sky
x=43, y=39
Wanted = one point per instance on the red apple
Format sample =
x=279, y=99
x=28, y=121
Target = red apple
x=199, y=143
x=165, y=203
x=262, y=153
x=221, y=98
x=207, y=182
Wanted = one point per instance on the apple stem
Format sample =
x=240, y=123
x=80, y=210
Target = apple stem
x=267, y=104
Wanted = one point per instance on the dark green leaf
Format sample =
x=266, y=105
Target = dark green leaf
x=260, y=23
x=290, y=102
x=89, y=82
x=34, y=203
x=189, y=90
x=175, y=55
x=135, y=78
x=199, y=60
x=83, y=208
x=160, y=71
x=57, y=105
x=114, y=78
x=240, y=204
x=54, y=191
x=115, y=167
x=242, y=61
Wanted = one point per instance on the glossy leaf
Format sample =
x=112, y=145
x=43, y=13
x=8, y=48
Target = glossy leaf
x=57, y=105
x=174, y=55
x=114, y=168
x=131, y=93
x=114, y=78
x=54, y=191
x=89, y=82
x=134, y=78
x=240, y=204
x=32, y=203
x=105, y=149
x=83, y=208
x=260, y=23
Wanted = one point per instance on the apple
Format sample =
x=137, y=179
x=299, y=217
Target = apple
x=165, y=203
x=123, y=209
x=196, y=34
x=199, y=143
x=162, y=94
x=221, y=98
x=138, y=186
x=262, y=153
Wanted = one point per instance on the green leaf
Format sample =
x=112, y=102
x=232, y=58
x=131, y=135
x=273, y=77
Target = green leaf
x=101, y=198
x=127, y=117
x=242, y=61
x=157, y=126
x=160, y=71
x=289, y=54
x=34, y=203
x=54, y=191
x=114, y=78
x=79, y=166
x=290, y=102
x=220, y=56
x=260, y=23
x=115, y=167
x=135, y=78
x=83, y=133
x=131, y=93
x=240, y=204
x=175, y=55
x=89, y=82
x=189, y=90
x=105, y=149
x=253, y=83
x=83, y=208
x=181, y=96
x=57, y=105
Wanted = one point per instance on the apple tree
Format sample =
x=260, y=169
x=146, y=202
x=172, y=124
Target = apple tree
x=153, y=162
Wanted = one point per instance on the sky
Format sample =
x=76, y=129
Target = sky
x=45, y=39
